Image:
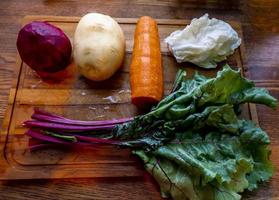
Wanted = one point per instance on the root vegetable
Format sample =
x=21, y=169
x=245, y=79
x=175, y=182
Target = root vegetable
x=44, y=47
x=99, y=46
x=146, y=73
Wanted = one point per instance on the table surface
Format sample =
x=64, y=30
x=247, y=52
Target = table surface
x=260, y=20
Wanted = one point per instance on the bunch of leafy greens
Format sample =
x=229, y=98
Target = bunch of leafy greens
x=192, y=142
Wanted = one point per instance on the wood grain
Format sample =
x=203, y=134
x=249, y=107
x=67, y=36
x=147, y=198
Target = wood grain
x=260, y=30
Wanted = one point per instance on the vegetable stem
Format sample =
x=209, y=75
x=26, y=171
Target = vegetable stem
x=38, y=135
x=61, y=120
x=66, y=127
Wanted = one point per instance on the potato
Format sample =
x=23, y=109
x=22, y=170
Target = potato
x=99, y=46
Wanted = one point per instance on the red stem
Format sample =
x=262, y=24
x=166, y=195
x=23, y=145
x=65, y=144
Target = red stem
x=65, y=127
x=41, y=117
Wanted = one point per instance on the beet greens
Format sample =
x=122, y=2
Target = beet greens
x=192, y=142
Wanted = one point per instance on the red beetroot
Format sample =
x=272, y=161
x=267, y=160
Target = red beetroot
x=44, y=47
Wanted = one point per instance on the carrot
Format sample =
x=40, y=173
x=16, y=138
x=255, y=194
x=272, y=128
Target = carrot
x=146, y=74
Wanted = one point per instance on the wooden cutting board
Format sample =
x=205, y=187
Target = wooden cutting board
x=78, y=98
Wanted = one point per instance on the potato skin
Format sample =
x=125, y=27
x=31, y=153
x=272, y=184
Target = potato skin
x=99, y=46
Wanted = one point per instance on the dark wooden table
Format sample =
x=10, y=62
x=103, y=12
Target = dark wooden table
x=260, y=19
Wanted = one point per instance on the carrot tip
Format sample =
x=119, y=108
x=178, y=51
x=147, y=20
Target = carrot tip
x=144, y=102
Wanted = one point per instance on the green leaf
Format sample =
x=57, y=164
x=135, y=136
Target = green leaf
x=223, y=194
x=251, y=134
x=224, y=119
x=254, y=95
x=231, y=88
x=215, y=158
x=220, y=89
x=173, y=180
x=263, y=168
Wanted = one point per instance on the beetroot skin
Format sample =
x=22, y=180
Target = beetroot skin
x=44, y=47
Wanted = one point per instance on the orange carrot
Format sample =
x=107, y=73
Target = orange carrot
x=146, y=73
